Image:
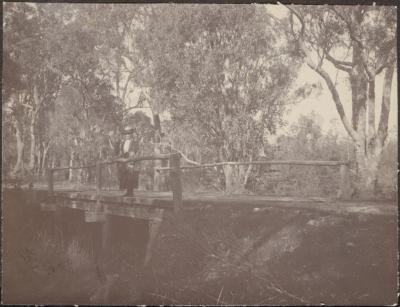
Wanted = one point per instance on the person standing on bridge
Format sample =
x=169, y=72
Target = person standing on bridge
x=130, y=170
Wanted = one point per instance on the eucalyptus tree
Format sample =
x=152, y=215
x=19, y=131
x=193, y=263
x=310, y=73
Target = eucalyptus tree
x=33, y=85
x=221, y=71
x=13, y=111
x=360, y=42
x=55, y=48
x=117, y=24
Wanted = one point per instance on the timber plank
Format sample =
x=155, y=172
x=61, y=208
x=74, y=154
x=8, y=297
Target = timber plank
x=163, y=200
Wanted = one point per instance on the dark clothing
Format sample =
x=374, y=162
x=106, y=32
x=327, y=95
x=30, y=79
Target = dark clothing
x=130, y=179
x=128, y=176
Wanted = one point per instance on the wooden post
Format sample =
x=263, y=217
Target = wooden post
x=98, y=177
x=345, y=183
x=176, y=184
x=50, y=182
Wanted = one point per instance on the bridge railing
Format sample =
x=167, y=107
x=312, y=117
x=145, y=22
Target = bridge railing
x=176, y=169
x=344, y=182
x=175, y=173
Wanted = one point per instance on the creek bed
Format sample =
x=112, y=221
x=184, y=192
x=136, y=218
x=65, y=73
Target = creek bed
x=202, y=255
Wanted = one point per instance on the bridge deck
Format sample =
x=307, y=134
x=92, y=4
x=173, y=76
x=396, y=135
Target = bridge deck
x=259, y=203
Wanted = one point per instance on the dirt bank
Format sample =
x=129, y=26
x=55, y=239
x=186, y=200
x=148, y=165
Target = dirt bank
x=203, y=255
x=275, y=256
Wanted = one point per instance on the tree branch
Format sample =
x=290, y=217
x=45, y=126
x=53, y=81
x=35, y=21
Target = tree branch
x=354, y=38
x=371, y=111
x=27, y=106
x=335, y=96
x=128, y=79
x=182, y=154
x=342, y=65
x=385, y=63
x=299, y=17
x=138, y=106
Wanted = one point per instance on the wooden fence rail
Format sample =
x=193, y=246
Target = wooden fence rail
x=344, y=186
x=270, y=162
x=115, y=161
x=175, y=170
x=174, y=174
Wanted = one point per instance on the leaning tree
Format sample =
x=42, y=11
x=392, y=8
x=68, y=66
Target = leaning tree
x=360, y=42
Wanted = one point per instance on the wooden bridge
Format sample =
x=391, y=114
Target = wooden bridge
x=97, y=205
x=176, y=197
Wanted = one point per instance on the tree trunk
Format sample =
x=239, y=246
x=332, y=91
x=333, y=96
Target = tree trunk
x=369, y=143
x=236, y=177
x=34, y=115
x=18, y=168
x=159, y=177
x=39, y=153
x=369, y=158
x=359, y=89
x=71, y=164
x=367, y=170
x=44, y=162
x=32, y=144
x=44, y=157
x=368, y=147
x=371, y=113
x=369, y=155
